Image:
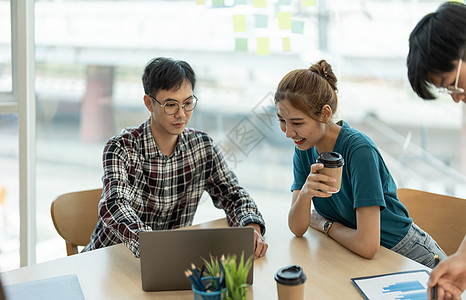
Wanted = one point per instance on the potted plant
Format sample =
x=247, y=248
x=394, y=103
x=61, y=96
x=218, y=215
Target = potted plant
x=232, y=274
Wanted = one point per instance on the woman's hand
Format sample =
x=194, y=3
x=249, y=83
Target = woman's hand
x=299, y=215
x=316, y=184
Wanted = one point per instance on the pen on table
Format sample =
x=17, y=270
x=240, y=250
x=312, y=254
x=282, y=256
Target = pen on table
x=434, y=288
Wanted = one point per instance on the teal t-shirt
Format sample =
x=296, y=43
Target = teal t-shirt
x=366, y=181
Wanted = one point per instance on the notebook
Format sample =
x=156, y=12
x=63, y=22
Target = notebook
x=166, y=254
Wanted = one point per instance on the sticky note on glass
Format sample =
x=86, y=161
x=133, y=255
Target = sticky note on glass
x=200, y=2
x=218, y=3
x=261, y=21
x=308, y=2
x=286, y=44
x=239, y=23
x=240, y=2
x=284, y=2
x=241, y=44
x=297, y=26
x=260, y=3
x=284, y=20
x=263, y=47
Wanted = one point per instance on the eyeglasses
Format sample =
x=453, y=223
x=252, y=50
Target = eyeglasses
x=171, y=107
x=454, y=89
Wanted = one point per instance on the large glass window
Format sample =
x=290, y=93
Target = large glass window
x=5, y=47
x=90, y=56
x=9, y=193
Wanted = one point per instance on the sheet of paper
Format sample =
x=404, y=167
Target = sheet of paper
x=395, y=286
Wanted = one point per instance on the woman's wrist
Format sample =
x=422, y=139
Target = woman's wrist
x=327, y=226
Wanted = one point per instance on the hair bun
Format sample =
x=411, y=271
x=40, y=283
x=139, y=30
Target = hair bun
x=324, y=69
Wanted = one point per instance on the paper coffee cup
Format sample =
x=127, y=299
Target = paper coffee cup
x=333, y=166
x=290, y=283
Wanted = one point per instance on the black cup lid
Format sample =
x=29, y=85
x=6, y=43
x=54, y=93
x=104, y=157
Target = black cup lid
x=331, y=159
x=290, y=275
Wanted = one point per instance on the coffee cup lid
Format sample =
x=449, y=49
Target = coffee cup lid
x=290, y=275
x=331, y=159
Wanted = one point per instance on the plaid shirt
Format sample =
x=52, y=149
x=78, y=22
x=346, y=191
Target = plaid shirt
x=145, y=190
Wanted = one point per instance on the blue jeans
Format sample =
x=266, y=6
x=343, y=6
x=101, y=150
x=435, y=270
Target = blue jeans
x=419, y=246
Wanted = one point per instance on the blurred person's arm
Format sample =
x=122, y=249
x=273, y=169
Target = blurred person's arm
x=450, y=276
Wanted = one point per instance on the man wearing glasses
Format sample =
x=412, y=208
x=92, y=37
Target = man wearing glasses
x=437, y=48
x=155, y=175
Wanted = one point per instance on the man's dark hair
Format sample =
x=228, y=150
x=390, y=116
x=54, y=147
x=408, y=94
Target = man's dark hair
x=165, y=74
x=437, y=40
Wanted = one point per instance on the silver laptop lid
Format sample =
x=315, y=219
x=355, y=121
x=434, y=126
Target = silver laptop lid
x=166, y=254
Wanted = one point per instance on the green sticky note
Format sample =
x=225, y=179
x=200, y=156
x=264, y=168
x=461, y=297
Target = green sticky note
x=218, y=3
x=260, y=21
x=308, y=2
x=241, y=44
x=239, y=23
x=200, y=2
x=240, y=2
x=284, y=20
x=284, y=2
x=286, y=44
x=260, y=3
x=263, y=47
x=297, y=26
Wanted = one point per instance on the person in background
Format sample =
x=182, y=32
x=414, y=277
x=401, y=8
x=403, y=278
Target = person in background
x=366, y=212
x=155, y=174
x=436, y=58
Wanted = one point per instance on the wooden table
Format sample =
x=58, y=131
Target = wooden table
x=114, y=273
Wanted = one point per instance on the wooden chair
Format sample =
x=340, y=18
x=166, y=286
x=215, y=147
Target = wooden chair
x=74, y=216
x=442, y=217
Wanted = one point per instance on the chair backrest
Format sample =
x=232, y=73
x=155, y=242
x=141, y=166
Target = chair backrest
x=75, y=216
x=442, y=217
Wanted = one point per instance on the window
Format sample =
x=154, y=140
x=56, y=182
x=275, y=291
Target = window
x=5, y=47
x=90, y=57
x=9, y=188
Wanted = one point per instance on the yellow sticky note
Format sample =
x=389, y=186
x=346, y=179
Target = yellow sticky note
x=263, y=47
x=286, y=44
x=260, y=3
x=284, y=20
x=200, y=2
x=308, y=2
x=239, y=23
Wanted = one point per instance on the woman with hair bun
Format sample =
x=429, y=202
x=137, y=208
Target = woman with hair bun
x=365, y=213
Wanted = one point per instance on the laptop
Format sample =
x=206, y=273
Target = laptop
x=166, y=254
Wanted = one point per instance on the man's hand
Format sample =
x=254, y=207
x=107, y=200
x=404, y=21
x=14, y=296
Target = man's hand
x=450, y=277
x=260, y=246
